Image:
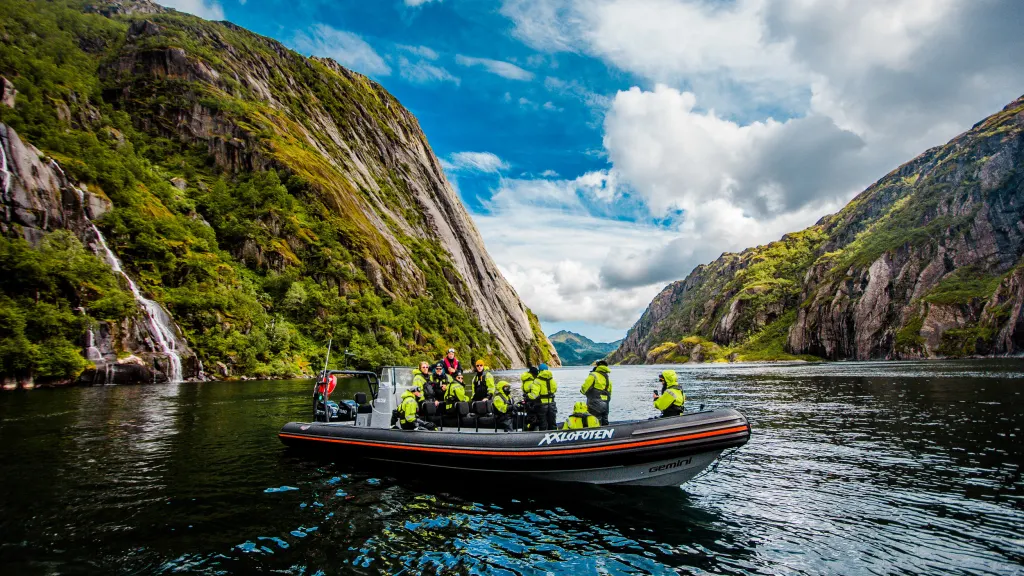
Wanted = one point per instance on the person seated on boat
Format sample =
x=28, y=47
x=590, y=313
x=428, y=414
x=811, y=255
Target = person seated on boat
x=434, y=389
x=542, y=393
x=502, y=403
x=598, y=390
x=454, y=393
x=451, y=363
x=671, y=400
x=483, y=382
x=409, y=408
x=580, y=418
x=421, y=376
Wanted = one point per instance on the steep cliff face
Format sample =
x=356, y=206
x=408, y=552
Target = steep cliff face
x=926, y=262
x=267, y=200
x=37, y=199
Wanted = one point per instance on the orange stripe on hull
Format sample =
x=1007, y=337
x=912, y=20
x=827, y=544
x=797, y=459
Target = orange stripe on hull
x=525, y=453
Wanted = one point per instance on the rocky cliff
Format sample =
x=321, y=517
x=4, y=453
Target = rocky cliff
x=264, y=200
x=927, y=262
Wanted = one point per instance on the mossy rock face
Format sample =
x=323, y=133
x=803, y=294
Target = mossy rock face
x=242, y=176
x=943, y=230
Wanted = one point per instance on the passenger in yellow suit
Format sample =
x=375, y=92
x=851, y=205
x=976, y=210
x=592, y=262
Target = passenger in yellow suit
x=409, y=408
x=422, y=376
x=482, y=383
x=598, y=390
x=543, y=396
x=502, y=403
x=580, y=418
x=527, y=379
x=671, y=400
x=454, y=393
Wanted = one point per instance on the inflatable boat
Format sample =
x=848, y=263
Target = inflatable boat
x=656, y=452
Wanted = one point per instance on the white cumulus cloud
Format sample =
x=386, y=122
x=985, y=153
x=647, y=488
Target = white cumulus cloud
x=750, y=119
x=348, y=49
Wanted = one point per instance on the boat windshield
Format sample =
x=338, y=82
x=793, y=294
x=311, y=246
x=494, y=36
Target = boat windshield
x=403, y=378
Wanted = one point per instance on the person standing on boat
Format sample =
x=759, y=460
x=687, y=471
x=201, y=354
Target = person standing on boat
x=580, y=418
x=598, y=390
x=502, y=403
x=483, y=382
x=527, y=380
x=438, y=382
x=543, y=394
x=529, y=405
x=454, y=393
x=451, y=363
x=671, y=400
x=409, y=408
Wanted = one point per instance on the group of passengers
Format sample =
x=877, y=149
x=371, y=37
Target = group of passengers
x=444, y=385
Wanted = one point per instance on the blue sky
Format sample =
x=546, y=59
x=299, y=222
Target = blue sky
x=606, y=147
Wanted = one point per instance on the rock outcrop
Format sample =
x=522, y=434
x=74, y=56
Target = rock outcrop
x=38, y=198
x=927, y=262
x=170, y=120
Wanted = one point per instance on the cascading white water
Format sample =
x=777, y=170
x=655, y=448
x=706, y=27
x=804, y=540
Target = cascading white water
x=161, y=328
x=159, y=322
x=92, y=353
x=3, y=169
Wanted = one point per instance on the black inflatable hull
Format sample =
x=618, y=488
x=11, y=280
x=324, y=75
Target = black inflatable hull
x=660, y=452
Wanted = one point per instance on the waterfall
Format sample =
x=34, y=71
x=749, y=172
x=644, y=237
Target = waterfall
x=92, y=353
x=3, y=168
x=161, y=327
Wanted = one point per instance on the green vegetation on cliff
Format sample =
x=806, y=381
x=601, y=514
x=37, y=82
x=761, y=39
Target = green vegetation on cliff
x=266, y=247
x=925, y=262
x=40, y=290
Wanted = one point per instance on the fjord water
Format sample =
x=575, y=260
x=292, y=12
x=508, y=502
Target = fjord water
x=853, y=468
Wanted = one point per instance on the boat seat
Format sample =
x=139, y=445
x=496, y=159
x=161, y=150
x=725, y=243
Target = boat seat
x=363, y=406
x=483, y=415
x=364, y=412
x=459, y=417
x=430, y=413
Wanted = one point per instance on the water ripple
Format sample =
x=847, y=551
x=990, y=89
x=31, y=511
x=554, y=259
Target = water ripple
x=853, y=468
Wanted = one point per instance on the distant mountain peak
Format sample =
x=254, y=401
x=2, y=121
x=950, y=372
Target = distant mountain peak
x=577, y=349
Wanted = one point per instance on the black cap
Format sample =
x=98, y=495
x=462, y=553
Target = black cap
x=602, y=362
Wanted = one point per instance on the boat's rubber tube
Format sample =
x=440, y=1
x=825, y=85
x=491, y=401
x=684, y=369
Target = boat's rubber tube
x=615, y=445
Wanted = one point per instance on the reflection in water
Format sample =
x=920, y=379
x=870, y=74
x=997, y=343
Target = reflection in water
x=853, y=469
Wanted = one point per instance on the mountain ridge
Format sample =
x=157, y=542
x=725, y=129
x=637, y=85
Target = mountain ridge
x=267, y=200
x=577, y=349
x=924, y=263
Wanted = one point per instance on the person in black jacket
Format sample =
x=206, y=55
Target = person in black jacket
x=435, y=387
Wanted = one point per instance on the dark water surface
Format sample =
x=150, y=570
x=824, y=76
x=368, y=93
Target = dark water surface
x=866, y=468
